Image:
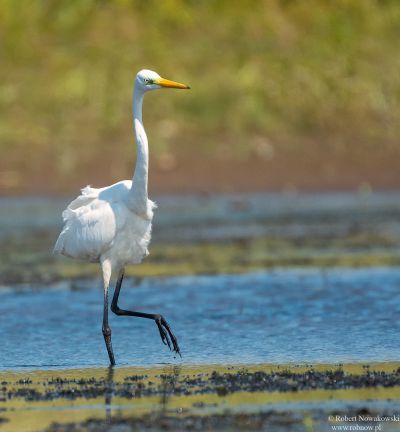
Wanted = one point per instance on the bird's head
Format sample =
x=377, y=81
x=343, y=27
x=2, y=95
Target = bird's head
x=149, y=80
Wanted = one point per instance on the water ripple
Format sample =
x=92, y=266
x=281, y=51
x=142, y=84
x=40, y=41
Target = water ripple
x=288, y=315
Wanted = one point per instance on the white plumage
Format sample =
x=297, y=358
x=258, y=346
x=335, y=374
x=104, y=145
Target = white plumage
x=112, y=225
x=100, y=225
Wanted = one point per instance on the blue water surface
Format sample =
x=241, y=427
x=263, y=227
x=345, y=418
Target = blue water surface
x=279, y=316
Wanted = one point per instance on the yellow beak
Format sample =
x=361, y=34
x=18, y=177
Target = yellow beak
x=170, y=84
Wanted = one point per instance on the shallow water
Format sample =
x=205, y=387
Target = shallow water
x=221, y=217
x=281, y=316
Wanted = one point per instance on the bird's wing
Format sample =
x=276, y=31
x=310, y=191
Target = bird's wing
x=90, y=225
x=88, y=194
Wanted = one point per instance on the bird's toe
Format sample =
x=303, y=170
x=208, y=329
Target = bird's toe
x=163, y=332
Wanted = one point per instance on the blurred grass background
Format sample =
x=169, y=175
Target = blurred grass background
x=271, y=80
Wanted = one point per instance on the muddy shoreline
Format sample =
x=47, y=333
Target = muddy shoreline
x=254, y=397
x=262, y=421
x=220, y=383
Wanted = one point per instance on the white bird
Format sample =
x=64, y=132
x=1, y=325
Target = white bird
x=112, y=225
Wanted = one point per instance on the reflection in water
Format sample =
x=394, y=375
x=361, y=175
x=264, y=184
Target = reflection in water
x=109, y=388
x=169, y=377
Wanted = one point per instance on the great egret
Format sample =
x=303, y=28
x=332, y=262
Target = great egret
x=112, y=225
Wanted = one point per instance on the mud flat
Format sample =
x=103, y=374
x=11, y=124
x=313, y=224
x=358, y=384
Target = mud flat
x=246, y=397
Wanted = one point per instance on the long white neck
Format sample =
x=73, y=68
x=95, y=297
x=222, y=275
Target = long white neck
x=138, y=195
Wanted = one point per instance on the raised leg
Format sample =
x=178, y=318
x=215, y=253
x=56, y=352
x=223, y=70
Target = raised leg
x=106, y=328
x=166, y=334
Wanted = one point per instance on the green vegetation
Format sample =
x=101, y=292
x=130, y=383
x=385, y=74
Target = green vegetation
x=266, y=76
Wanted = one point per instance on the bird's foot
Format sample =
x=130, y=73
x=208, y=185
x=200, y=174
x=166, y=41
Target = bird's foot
x=166, y=334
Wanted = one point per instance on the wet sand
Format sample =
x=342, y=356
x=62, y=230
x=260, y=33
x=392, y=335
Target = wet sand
x=246, y=397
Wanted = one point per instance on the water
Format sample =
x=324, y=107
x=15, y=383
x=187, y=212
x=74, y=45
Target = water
x=281, y=316
x=220, y=217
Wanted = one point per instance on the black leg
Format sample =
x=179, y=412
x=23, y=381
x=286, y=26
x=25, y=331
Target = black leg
x=106, y=329
x=166, y=334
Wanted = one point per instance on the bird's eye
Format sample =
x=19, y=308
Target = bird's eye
x=148, y=81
